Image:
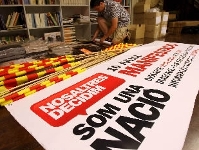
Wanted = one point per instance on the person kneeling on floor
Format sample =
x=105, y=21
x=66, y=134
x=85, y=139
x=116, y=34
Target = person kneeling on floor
x=113, y=20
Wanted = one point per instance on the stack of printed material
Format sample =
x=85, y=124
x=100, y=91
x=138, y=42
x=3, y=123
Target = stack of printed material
x=69, y=35
x=138, y=100
x=11, y=52
x=35, y=46
x=61, y=49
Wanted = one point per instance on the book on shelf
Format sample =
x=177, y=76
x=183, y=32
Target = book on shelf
x=30, y=21
x=2, y=23
x=37, y=20
x=26, y=2
x=39, y=2
x=127, y=2
x=41, y=20
x=10, y=2
x=8, y=20
x=50, y=16
x=16, y=19
x=32, y=2
x=12, y=19
x=73, y=2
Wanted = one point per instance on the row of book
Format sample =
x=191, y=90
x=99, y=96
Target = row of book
x=39, y=2
x=40, y=20
x=74, y=2
x=43, y=2
x=10, y=2
x=15, y=19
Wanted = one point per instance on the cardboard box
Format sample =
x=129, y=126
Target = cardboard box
x=174, y=30
x=152, y=18
x=137, y=41
x=172, y=17
x=163, y=30
x=141, y=7
x=145, y=1
x=137, y=30
x=152, y=31
x=183, y=23
x=138, y=18
x=165, y=18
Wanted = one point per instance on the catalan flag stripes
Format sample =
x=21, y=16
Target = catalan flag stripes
x=19, y=80
x=43, y=65
x=68, y=57
x=28, y=91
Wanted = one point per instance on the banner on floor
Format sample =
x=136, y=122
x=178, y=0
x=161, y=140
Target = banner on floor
x=142, y=99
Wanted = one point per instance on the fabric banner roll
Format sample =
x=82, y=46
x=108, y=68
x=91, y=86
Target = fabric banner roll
x=142, y=99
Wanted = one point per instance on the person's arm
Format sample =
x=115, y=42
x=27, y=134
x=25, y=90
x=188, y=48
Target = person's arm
x=114, y=23
x=96, y=33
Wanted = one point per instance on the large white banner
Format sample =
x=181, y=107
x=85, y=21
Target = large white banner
x=140, y=100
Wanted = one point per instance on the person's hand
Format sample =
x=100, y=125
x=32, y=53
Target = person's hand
x=93, y=39
x=102, y=39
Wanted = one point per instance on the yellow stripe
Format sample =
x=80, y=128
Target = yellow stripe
x=23, y=91
x=12, y=71
x=69, y=56
x=38, y=68
x=49, y=62
x=6, y=103
x=36, y=61
x=79, y=70
x=66, y=77
x=1, y=83
x=2, y=88
x=70, y=59
x=75, y=63
x=2, y=78
x=33, y=66
x=29, y=93
x=2, y=100
x=59, y=68
x=45, y=82
x=20, y=73
x=56, y=63
x=21, y=79
x=61, y=76
x=53, y=58
x=49, y=84
x=40, y=74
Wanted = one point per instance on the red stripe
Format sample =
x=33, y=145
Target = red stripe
x=13, y=75
x=3, y=73
x=72, y=73
x=35, y=87
x=40, y=88
x=11, y=96
x=12, y=82
x=66, y=66
x=58, y=80
x=50, y=70
x=18, y=97
x=32, y=76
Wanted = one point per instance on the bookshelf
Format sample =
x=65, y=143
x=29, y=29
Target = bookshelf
x=33, y=18
x=43, y=16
